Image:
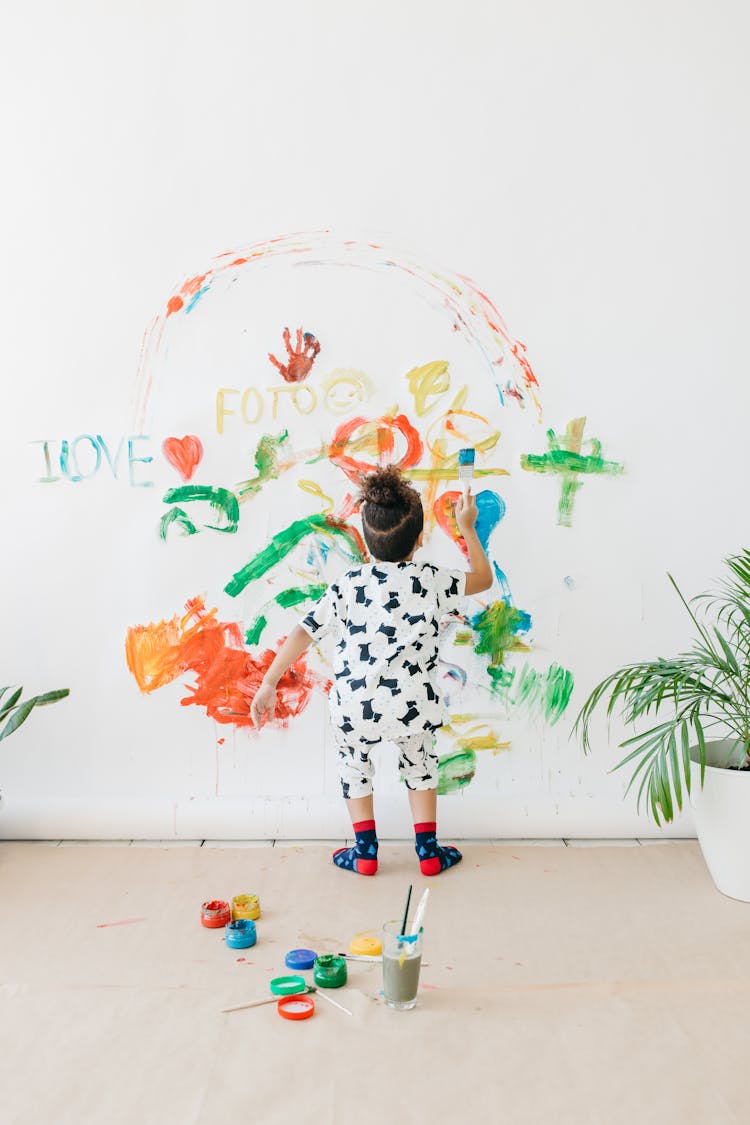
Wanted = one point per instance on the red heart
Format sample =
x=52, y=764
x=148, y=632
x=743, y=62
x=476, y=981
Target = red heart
x=444, y=509
x=183, y=454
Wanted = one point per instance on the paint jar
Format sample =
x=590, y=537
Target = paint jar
x=240, y=934
x=402, y=960
x=329, y=971
x=215, y=914
x=246, y=906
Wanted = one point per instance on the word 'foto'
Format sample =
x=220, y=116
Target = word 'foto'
x=338, y=393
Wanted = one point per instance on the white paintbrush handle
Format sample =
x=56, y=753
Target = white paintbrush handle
x=334, y=1002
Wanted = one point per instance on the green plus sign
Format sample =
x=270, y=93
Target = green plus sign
x=565, y=457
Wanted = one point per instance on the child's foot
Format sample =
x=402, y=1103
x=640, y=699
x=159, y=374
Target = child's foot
x=433, y=858
x=363, y=857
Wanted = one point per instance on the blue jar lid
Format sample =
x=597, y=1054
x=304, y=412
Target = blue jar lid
x=300, y=959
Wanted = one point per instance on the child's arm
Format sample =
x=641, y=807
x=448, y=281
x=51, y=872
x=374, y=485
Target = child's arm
x=264, y=701
x=480, y=576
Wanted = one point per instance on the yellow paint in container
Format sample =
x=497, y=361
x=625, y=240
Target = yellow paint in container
x=365, y=945
x=245, y=906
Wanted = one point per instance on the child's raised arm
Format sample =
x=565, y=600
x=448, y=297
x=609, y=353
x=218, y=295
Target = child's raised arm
x=480, y=576
x=264, y=701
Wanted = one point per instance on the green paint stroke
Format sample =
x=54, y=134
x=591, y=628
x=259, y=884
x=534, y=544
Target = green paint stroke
x=547, y=693
x=286, y=541
x=497, y=627
x=266, y=462
x=295, y=595
x=221, y=500
x=254, y=633
x=565, y=457
x=455, y=771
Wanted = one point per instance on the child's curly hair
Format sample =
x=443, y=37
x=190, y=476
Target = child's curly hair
x=392, y=516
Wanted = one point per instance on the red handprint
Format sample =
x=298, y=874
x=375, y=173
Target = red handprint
x=301, y=357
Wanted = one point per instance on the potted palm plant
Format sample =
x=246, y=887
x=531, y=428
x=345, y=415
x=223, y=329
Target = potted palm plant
x=14, y=710
x=697, y=694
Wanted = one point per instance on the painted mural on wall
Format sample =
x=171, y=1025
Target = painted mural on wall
x=269, y=384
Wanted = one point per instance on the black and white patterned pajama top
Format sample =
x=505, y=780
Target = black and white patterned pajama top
x=385, y=662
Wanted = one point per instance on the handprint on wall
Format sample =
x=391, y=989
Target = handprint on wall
x=300, y=358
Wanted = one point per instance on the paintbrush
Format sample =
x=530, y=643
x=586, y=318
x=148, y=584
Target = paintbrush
x=275, y=1000
x=406, y=912
x=419, y=915
x=466, y=466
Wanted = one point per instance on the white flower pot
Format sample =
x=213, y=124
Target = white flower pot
x=721, y=811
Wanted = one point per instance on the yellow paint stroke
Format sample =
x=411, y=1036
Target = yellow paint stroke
x=470, y=739
x=460, y=399
x=428, y=381
x=461, y=436
x=313, y=488
x=344, y=387
x=450, y=472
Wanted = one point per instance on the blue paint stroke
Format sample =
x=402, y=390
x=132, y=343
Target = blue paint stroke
x=196, y=297
x=490, y=510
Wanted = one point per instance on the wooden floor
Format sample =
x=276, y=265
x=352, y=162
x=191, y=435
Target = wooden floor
x=586, y=984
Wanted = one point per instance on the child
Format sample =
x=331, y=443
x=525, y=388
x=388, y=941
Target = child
x=386, y=616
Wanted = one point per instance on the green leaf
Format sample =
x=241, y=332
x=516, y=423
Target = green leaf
x=19, y=716
x=51, y=696
x=701, y=750
x=10, y=703
x=674, y=761
x=686, y=756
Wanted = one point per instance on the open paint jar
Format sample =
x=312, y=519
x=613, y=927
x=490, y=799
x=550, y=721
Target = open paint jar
x=215, y=914
x=329, y=971
x=240, y=934
x=246, y=906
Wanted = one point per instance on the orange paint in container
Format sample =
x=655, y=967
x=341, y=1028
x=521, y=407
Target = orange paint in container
x=215, y=914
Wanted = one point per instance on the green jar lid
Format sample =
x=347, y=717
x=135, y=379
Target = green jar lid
x=288, y=986
x=329, y=971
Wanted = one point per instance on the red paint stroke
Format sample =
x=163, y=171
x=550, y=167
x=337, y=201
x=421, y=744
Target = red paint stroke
x=188, y=289
x=300, y=359
x=227, y=676
x=220, y=741
x=183, y=454
x=431, y=986
x=444, y=510
x=374, y=436
x=124, y=922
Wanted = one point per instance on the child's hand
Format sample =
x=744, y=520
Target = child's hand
x=466, y=512
x=264, y=704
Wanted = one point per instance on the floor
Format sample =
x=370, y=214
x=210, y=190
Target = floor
x=597, y=983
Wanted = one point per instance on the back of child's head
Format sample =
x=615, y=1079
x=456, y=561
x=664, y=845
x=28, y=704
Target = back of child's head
x=392, y=516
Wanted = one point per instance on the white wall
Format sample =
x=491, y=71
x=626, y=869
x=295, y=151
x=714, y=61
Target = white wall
x=586, y=164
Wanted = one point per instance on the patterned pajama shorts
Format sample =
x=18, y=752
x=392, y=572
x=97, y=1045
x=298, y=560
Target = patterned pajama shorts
x=417, y=763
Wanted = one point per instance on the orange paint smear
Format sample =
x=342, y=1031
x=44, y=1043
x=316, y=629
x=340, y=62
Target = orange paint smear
x=444, y=510
x=376, y=437
x=227, y=675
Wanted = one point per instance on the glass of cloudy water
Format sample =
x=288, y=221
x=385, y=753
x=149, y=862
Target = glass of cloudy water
x=402, y=960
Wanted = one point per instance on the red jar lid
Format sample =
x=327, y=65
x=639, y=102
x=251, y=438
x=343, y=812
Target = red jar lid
x=295, y=1007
